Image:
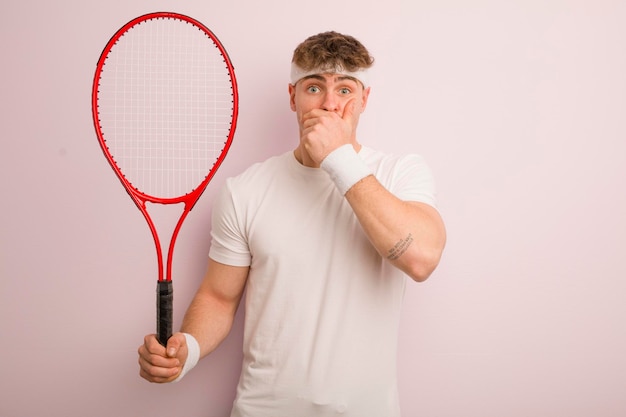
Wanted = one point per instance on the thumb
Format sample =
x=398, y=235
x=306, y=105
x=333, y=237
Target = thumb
x=348, y=110
x=174, y=344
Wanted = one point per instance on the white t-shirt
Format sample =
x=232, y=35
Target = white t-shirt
x=322, y=306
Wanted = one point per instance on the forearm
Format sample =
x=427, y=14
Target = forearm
x=211, y=313
x=410, y=235
x=209, y=320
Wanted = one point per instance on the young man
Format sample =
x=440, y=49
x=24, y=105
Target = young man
x=323, y=237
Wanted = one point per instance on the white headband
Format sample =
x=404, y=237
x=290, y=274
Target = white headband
x=298, y=73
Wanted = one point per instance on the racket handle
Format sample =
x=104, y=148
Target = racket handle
x=165, y=309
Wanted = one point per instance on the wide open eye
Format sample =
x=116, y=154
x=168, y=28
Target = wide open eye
x=313, y=89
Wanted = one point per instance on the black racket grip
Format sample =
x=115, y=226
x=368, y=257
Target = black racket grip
x=165, y=310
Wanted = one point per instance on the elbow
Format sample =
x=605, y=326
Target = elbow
x=426, y=257
x=421, y=256
x=421, y=272
x=423, y=265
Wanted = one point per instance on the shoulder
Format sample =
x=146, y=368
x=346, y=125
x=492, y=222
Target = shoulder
x=260, y=172
x=407, y=176
x=386, y=163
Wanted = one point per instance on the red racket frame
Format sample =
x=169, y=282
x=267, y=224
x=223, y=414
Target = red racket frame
x=137, y=196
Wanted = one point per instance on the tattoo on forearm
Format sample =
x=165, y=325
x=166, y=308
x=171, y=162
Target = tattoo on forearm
x=400, y=247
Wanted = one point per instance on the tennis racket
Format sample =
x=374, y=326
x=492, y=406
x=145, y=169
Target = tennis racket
x=165, y=105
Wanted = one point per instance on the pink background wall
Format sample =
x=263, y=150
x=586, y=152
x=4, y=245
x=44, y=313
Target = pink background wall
x=519, y=108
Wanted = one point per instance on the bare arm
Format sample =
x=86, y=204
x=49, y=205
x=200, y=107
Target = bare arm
x=411, y=235
x=210, y=315
x=209, y=319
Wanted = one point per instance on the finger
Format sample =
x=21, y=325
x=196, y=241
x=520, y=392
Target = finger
x=153, y=353
x=152, y=345
x=154, y=364
x=175, y=343
x=159, y=375
x=158, y=360
x=317, y=114
x=154, y=367
x=310, y=118
x=348, y=110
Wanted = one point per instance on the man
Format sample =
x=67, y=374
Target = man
x=323, y=238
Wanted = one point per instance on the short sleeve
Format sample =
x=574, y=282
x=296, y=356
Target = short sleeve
x=229, y=244
x=411, y=179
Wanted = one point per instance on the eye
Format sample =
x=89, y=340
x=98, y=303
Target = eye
x=313, y=89
x=344, y=91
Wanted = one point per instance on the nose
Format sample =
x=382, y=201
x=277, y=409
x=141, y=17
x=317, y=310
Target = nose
x=330, y=102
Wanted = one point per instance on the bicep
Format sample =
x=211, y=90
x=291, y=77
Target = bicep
x=224, y=283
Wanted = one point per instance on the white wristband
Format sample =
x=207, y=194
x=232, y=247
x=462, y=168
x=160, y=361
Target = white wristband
x=193, y=356
x=345, y=167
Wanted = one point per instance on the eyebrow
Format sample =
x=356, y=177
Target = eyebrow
x=337, y=78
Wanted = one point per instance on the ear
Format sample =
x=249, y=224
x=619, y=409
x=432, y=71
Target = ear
x=365, y=96
x=292, y=97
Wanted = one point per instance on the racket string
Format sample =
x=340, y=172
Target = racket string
x=165, y=105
